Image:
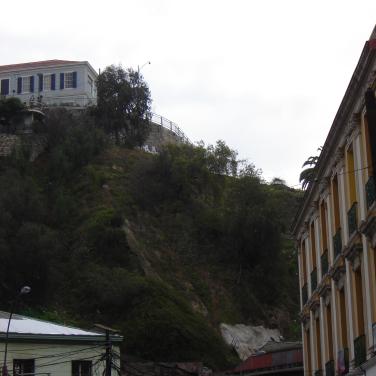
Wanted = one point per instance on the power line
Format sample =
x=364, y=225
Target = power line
x=338, y=174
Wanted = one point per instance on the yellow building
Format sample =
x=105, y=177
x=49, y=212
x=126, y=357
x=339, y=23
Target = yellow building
x=335, y=230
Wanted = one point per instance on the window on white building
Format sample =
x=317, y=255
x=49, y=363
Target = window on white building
x=26, y=84
x=47, y=82
x=23, y=366
x=90, y=82
x=68, y=80
x=81, y=367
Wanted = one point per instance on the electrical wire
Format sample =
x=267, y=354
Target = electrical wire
x=338, y=174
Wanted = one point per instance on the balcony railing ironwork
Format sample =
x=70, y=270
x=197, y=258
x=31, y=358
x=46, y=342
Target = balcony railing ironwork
x=337, y=243
x=360, y=350
x=304, y=294
x=343, y=361
x=352, y=219
x=324, y=263
x=329, y=368
x=314, y=279
x=370, y=191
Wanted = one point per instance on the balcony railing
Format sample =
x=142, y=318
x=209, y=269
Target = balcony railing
x=360, y=350
x=370, y=191
x=304, y=294
x=329, y=368
x=343, y=361
x=324, y=263
x=314, y=279
x=337, y=243
x=351, y=219
x=318, y=372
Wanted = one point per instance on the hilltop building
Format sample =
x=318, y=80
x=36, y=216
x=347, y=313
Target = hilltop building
x=54, y=82
x=335, y=230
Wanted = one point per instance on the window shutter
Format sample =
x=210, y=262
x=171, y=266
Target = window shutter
x=75, y=79
x=5, y=87
x=61, y=81
x=40, y=76
x=53, y=81
x=19, y=85
x=32, y=84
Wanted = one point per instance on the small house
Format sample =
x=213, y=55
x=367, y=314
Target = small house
x=37, y=347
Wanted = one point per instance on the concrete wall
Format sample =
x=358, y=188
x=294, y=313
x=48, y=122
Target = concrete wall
x=56, y=359
x=160, y=136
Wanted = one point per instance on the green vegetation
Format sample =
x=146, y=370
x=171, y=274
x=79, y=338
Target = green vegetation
x=164, y=247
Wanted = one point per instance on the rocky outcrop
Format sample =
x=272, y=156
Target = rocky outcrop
x=247, y=340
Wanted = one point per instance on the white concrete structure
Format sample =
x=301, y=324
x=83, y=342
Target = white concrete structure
x=52, y=81
x=44, y=348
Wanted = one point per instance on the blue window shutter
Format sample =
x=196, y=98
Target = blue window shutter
x=40, y=77
x=61, y=81
x=4, y=87
x=75, y=79
x=53, y=81
x=32, y=84
x=19, y=85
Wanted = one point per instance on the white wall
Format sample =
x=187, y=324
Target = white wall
x=55, y=359
x=82, y=82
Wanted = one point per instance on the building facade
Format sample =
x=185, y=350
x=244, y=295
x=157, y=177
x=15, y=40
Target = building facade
x=59, y=82
x=37, y=347
x=335, y=230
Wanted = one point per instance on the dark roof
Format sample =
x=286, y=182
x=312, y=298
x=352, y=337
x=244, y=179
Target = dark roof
x=36, y=64
x=273, y=346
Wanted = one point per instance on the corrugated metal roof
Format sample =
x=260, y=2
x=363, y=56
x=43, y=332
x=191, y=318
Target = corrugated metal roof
x=36, y=64
x=27, y=325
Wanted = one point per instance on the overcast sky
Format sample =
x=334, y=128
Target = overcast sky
x=265, y=76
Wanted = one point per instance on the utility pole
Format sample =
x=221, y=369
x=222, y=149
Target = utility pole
x=108, y=353
x=108, y=347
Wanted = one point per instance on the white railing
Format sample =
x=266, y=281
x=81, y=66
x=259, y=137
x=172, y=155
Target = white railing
x=170, y=125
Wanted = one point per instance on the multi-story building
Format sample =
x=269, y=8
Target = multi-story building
x=335, y=230
x=53, y=82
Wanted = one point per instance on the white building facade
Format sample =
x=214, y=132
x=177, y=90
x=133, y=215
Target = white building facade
x=52, y=82
x=37, y=347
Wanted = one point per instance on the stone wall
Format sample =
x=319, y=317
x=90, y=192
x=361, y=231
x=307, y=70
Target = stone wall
x=33, y=142
x=160, y=136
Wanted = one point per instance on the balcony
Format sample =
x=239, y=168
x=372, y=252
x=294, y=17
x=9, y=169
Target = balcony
x=360, y=350
x=343, y=361
x=313, y=279
x=324, y=263
x=304, y=294
x=337, y=243
x=351, y=219
x=370, y=191
x=329, y=368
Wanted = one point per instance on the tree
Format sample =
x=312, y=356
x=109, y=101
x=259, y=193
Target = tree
x=123, y=108
x=9, y=108
x=307, y=176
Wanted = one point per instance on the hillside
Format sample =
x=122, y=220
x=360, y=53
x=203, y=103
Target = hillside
x=163, y=247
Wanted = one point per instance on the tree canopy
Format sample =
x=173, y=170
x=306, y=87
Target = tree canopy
x=124, y=103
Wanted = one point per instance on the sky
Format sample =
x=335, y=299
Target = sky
x=265, y=76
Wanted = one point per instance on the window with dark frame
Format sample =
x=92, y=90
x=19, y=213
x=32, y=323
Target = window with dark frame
x=68, y=80
x=81, y=367
x=23, y=367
